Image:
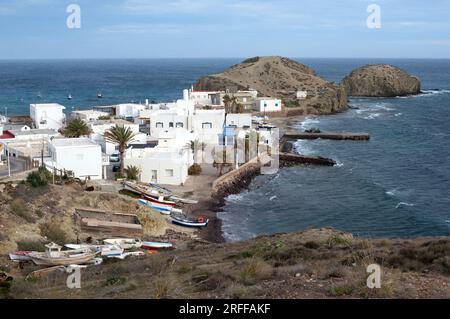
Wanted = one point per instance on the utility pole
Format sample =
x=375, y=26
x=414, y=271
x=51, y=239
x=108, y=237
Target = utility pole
x=7, y=159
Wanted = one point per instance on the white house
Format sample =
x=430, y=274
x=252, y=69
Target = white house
x=267, y=104
x=99, y=128
x=239, y=120
x=167, y=163
x=208, y=125
x=81, y=156
x=129, y=110
x=48, y=116
x=89, y=115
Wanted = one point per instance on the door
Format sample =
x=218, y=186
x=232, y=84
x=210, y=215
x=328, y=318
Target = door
x=154, y=176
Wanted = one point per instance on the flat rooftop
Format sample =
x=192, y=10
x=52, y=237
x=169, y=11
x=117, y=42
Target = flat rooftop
x=49, y=105
x=66, y=142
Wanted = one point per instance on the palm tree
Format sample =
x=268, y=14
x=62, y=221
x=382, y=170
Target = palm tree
x=76, y=128
x=123, y=137
x=227, y=102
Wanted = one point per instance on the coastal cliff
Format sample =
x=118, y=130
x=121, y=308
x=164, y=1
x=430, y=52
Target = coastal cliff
x=380, y=80
x=281, y=77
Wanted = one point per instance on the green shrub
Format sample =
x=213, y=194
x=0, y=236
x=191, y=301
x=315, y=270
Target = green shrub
x=133, y=173
x=342, y=290
x=195, y=170
x=39, y=178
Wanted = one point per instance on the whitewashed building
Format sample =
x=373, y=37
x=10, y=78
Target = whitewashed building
x=167, y=163
x=129, y=110
x=239, y=120
x=48, y=116
x=90, y=115
x=208, y=125
x=267, y=104
x=81, y=156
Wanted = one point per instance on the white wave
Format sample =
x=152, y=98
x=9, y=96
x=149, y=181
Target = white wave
x=403, y=204
x=338, y=164
x=448, y=221
x=372, y=116
x=308, y=122
x=391, y=192
x=235, y=198
x=383, y=107
x=425, y=93
x=303, y=147
x=273, y=198
x=398, y=114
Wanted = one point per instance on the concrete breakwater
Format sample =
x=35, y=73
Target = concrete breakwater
x=287, y=159
x=327, y=136
x=238, y=179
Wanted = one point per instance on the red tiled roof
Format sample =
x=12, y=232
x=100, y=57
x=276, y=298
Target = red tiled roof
x=6, y=135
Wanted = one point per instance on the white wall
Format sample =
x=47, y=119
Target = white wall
x=129, y=110
x=200, y=125
x=48, y=116
x=82, y=160
x=267, y=105
x=239, y=120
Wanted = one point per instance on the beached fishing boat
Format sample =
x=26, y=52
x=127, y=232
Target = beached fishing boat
x=20, y=256
x=156, y=192
x=53, y=256
x=163, y=209
x=105, y=250
x=125, y=243
x=156, y=245
x=160, y=200
x=186, y=221
x=130, y=254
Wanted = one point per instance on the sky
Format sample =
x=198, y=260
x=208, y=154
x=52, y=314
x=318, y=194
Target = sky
x=37, y=29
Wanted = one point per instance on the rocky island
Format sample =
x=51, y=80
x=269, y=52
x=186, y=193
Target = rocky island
x=380, y=80
x=283, y=78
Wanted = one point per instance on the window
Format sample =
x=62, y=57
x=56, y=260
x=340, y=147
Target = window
x=169, y=172
x=207, y=125
x=276, y=104
x=171, y=124
x=159, y=125
x=179, y=124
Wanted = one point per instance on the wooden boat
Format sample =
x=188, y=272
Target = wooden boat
x=156, y=192
x=163, y=209
x=155, y=245
x=125, y=243
x=160, y=200
x=105, y=250
x=130, y=254
x=183, y=220
x=53, y=256
x=20, y=256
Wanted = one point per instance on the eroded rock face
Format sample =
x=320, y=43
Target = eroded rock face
x=281, y=78
x=380, y=80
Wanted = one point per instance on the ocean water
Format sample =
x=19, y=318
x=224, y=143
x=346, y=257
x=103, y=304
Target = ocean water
x=396, y=185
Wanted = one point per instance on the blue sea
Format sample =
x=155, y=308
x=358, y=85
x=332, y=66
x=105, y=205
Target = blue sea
x=395, y=185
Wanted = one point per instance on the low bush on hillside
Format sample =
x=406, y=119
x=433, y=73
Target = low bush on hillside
x=195, y=170
x=53, y=231
x=19, y=208
x=39, y=178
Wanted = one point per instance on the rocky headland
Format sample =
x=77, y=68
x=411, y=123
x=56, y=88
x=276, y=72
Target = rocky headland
x=280, y=77
x=380, y=80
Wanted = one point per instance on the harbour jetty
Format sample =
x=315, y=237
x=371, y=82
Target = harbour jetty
x=289, y=159
x=327, y=136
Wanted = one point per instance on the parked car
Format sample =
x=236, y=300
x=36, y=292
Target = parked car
x=116, y=168
x=115, y=157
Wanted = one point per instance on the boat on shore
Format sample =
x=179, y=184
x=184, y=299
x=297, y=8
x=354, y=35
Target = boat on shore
x=53, y=256
x=156, y=245
x=183, y=220
x=20, y=256
x=125, y=243
x=160, y=200
x=156, y=192
x=163, y=209
x=105, y=250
